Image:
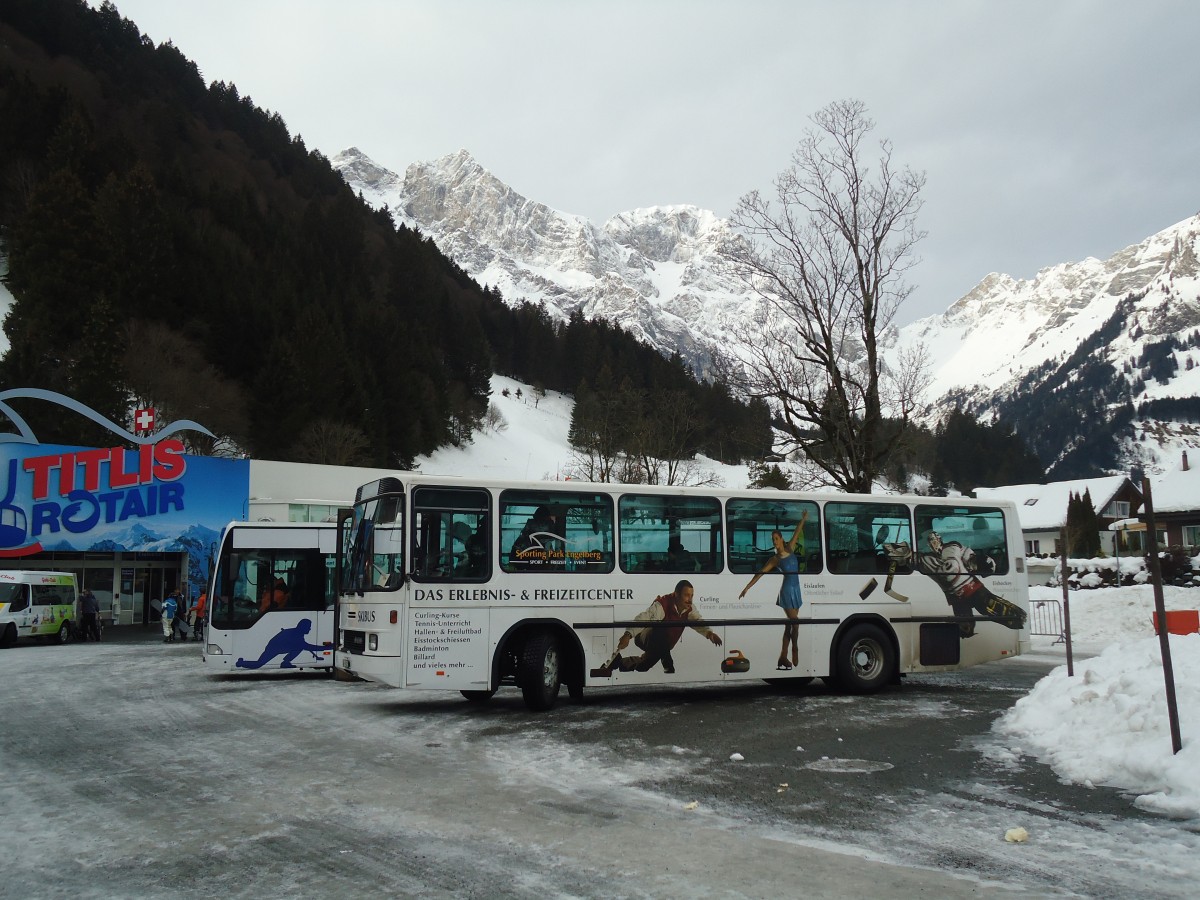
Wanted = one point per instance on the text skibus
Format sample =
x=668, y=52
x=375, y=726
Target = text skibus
x=271, y=598
x=471, y=586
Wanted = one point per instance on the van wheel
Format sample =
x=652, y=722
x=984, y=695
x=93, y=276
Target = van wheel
x=865, y=660
x=540, y=673
x=479, y=696
x=64, y=633
x=9, y=636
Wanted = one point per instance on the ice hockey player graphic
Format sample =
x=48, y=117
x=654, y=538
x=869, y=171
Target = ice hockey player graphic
x=289, y=643
x=955, y=567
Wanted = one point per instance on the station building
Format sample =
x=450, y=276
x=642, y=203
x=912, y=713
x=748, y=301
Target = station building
x=134, y=523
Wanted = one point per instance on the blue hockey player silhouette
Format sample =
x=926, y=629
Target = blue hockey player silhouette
x=289, y=643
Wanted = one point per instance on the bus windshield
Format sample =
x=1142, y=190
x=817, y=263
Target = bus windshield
x=375, y=547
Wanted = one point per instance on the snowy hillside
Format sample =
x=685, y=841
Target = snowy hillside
x=532, y=442
x=6, y=301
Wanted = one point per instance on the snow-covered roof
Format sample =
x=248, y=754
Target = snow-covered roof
x=1044, y=506
x=1177, y=491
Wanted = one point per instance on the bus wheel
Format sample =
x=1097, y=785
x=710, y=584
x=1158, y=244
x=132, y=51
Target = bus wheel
x=540, y=673
x=865, y=660
x=64, y=633
x=479, y=696
x=9, y=637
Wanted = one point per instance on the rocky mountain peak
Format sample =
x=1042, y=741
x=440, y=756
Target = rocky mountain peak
x=1009, y=346
x=656, y=272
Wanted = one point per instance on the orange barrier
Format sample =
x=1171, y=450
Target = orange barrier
x=1180, y=621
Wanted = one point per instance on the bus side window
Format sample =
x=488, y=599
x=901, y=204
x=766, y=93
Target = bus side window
x=680, y=535
x=451, y=535
x=556, y=531
x=751, y=524
x=978, y=530
x=861, y=536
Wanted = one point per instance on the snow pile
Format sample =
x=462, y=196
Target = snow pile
x=1108, y=724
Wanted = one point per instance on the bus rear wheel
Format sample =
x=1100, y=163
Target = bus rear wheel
x=865, y=660
x=541, y=671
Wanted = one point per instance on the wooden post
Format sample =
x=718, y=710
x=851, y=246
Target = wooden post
x=1062, y=547
x=1160, y=607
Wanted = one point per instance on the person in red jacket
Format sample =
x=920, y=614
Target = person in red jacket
x=657, y=641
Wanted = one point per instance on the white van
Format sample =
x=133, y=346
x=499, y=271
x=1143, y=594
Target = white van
x=36, y=604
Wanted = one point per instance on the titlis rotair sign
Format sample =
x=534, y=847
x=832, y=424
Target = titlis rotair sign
x=59, y=491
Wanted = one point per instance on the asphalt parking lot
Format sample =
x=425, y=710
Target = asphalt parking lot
x=132, y=772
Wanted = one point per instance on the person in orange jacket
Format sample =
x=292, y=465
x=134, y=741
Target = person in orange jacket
x=201, y=609
x=274, y=597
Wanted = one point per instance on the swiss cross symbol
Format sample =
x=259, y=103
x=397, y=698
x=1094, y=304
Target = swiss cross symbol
x=143, y=419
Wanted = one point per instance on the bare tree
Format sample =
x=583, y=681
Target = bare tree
x=332, y=443
x=166, y=370
x=493, y=419
x=828, y=255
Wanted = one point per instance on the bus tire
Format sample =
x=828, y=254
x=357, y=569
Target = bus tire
x=479, y=696
x=64, y=633
x=865, y=660
x=9, y=637
x=541, y=671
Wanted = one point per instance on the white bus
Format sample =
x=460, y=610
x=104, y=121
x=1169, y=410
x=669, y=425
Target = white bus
x=271, y=598
x=470, y=586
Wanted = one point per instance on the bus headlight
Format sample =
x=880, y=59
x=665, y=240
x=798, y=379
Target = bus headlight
x=372, y=642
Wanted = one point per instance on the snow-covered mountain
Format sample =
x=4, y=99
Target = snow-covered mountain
x=657, y=272
x=1105, y=347
x=1114, y=340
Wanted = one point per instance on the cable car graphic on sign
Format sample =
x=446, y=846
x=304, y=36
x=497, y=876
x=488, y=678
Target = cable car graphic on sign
x=14, y=524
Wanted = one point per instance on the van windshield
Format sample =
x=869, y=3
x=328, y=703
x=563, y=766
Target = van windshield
x=10, y=593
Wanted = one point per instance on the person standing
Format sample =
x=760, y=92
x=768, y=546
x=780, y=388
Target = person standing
x=90, y=608
x=201, y=611
x=170, y=606
x=182, y=616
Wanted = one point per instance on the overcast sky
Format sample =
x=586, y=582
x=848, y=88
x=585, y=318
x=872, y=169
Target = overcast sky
x=1049, y=130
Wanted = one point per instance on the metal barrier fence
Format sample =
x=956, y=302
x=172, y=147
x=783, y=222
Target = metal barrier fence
x=1046, y=618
